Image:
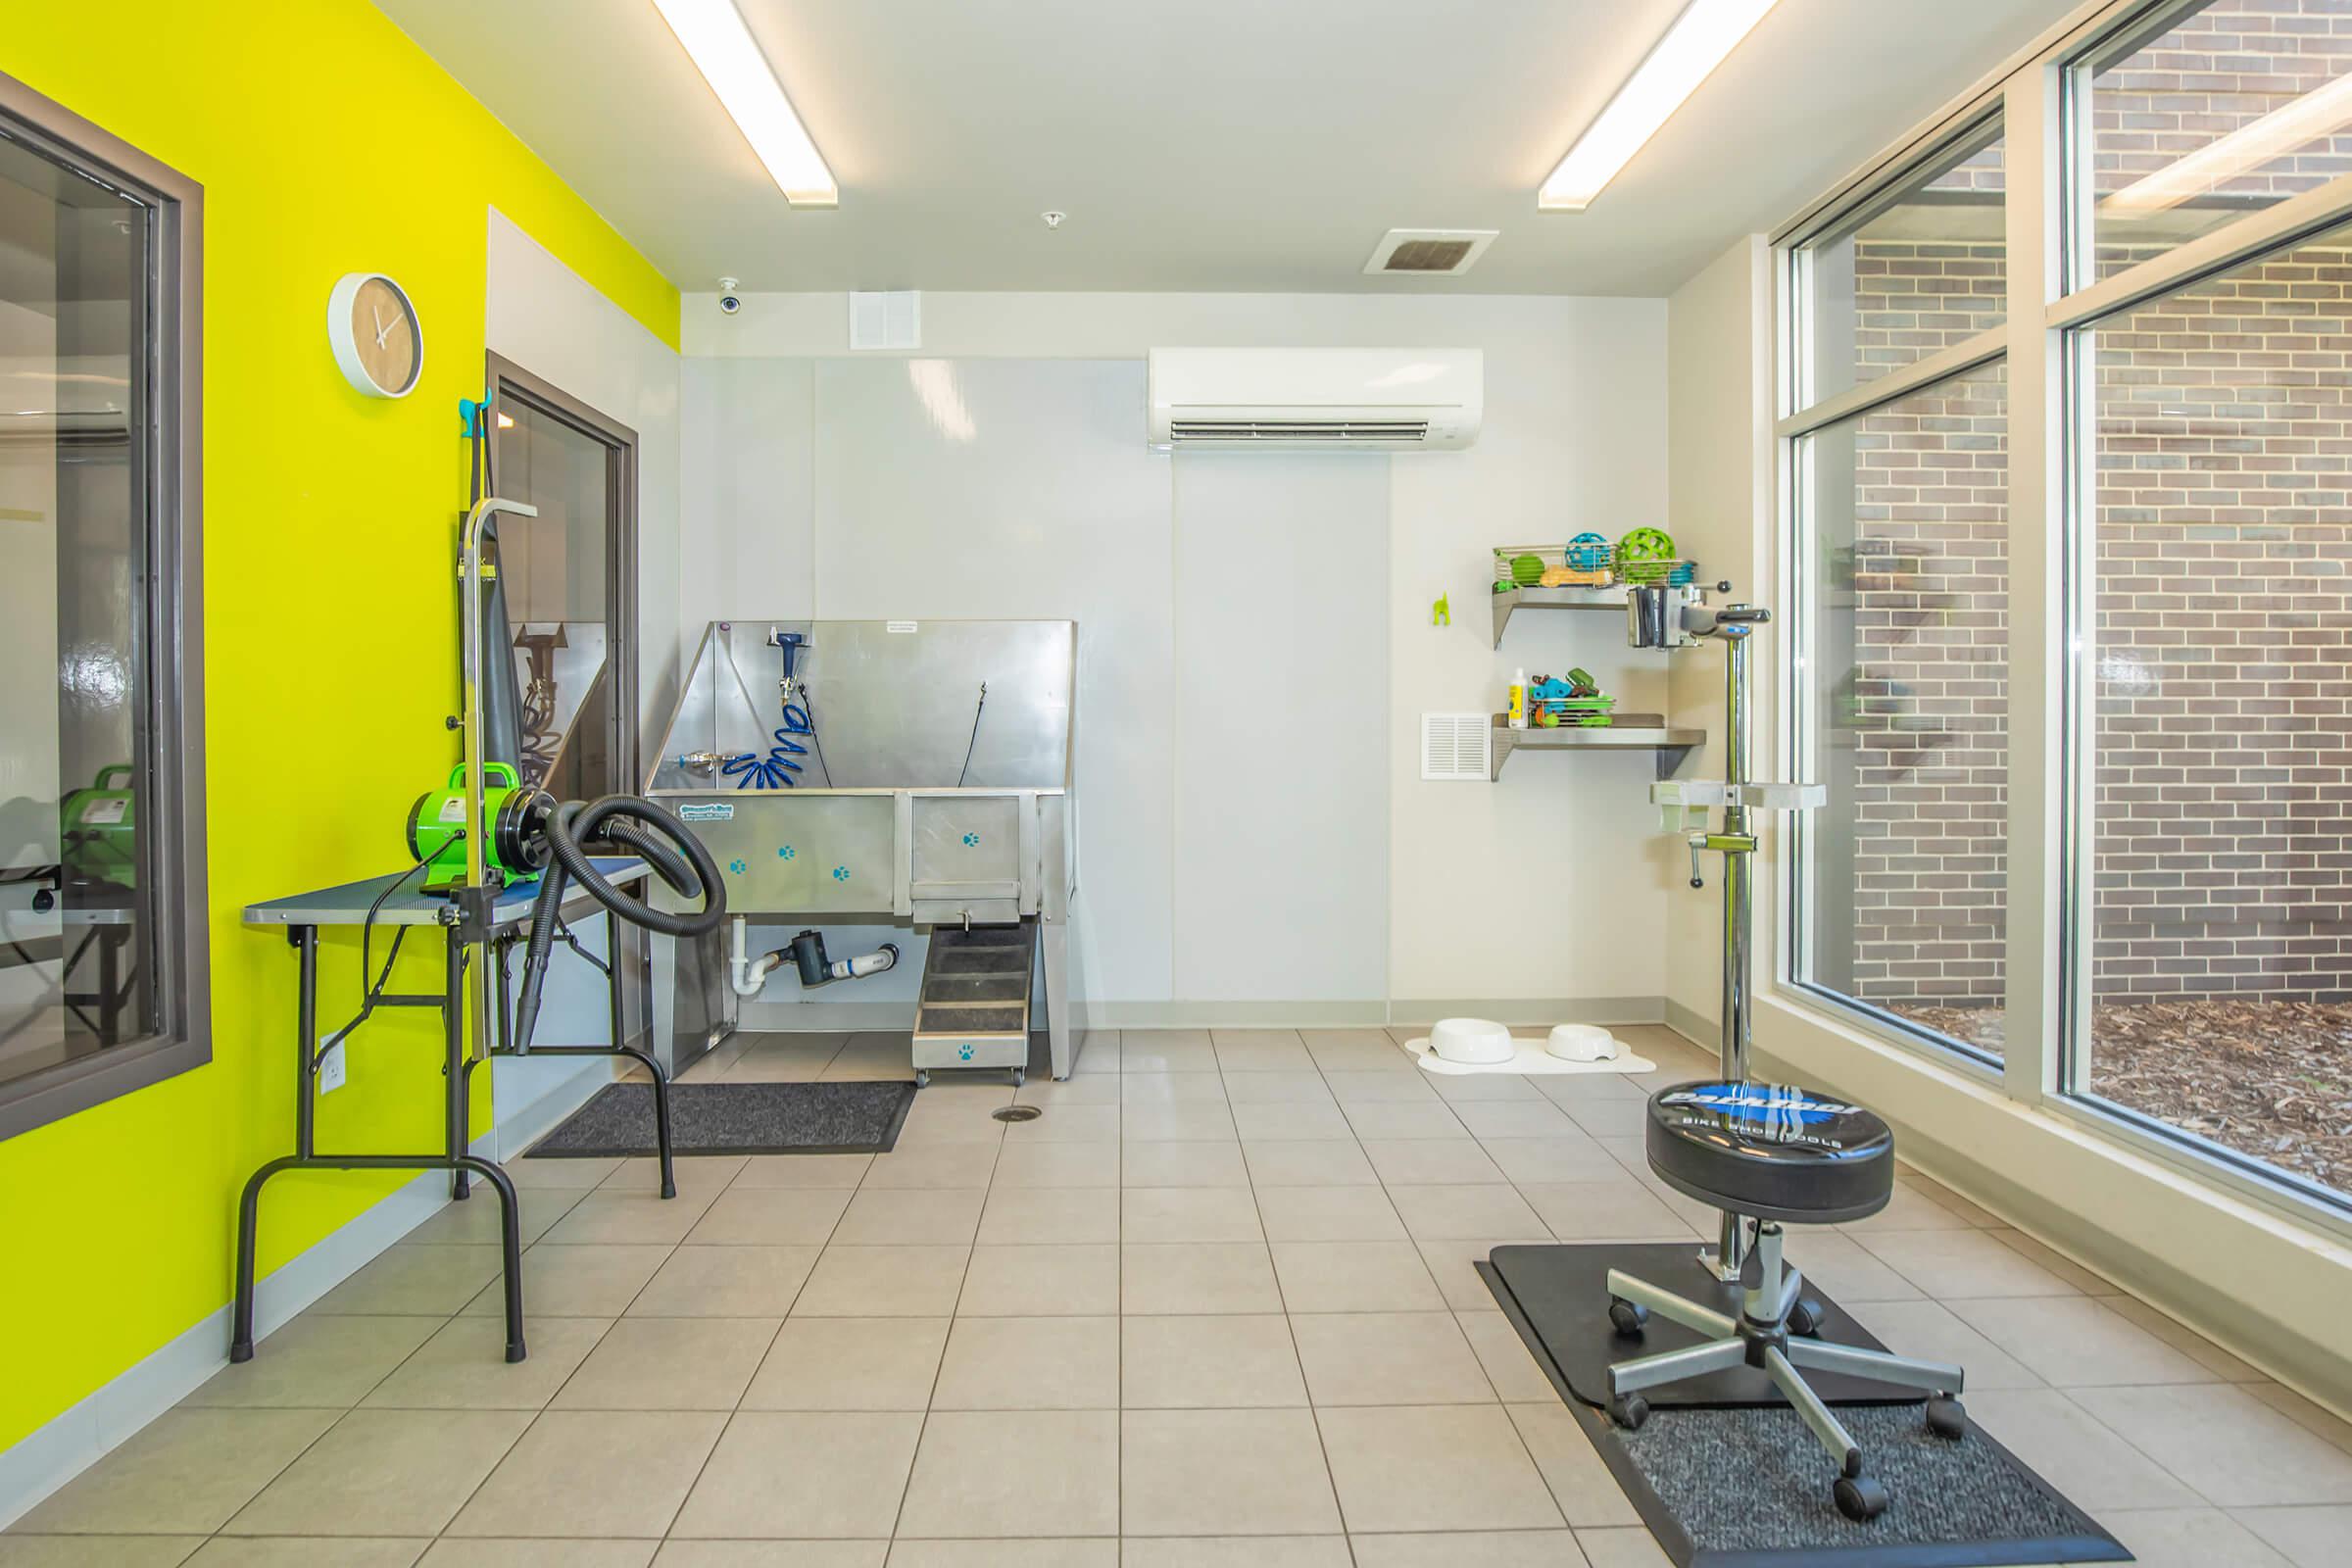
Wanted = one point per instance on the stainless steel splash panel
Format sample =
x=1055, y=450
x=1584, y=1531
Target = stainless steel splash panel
x=879, y=826
x=893, y=703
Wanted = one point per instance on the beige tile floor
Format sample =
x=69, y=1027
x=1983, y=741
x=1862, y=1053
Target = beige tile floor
x=1215, y=1309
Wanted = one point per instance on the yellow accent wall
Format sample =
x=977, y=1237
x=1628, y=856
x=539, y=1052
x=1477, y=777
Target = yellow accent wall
x=326, y=142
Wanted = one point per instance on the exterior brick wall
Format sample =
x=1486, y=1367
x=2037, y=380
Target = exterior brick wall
x=1926, y=712
x=2223, y=596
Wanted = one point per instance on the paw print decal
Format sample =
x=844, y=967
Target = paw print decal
x=736, y=866
x=841, y=873
x=971, y=841
x=963, y=1052
x=786, y=853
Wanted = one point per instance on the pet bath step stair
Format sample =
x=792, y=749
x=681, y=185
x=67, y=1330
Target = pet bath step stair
x=974, y=1008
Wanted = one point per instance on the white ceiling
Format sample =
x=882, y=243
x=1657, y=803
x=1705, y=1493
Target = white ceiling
x=1209, y=145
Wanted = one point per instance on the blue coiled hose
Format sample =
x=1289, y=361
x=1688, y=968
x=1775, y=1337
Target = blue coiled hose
x=775, y=771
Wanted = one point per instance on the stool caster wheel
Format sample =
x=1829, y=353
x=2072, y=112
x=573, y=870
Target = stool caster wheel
x=1805, y=1317
x=1629, y=1410
x=1859, y=1498
x=923, y=1078
x=1947, y=1417
x=1626, y=1317
x=1021, y=1075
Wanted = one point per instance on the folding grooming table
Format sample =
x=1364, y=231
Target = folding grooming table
x=505, y=920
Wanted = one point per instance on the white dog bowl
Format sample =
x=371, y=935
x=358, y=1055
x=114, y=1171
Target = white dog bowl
x=1471, y=1040
x=1582, y=1042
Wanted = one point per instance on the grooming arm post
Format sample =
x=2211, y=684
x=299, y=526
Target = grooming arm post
x=1735, y=841
x=473, y=659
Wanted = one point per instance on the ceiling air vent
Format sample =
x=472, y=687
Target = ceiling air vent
x=1430, y=252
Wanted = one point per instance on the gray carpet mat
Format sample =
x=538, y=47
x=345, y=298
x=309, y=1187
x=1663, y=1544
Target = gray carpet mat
x=1751, y=1486
x=838, y=1118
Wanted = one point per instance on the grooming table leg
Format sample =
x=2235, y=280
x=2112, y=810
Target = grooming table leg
x=459, y=1084
x=510, y=1216
x=249, y=1214
x=670, y=1182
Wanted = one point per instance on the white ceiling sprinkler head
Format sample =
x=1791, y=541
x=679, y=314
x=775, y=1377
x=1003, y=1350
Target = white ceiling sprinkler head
x=1054, y=218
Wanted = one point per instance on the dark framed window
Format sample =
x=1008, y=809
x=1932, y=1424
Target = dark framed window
x=569, y=581
x=103, y=963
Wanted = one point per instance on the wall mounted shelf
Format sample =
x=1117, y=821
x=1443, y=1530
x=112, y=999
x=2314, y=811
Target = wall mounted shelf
x=1670, y=744
x=1611, y=599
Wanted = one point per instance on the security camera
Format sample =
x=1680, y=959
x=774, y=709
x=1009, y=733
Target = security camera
x=730, y=302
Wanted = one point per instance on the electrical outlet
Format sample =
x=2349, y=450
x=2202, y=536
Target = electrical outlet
x=332, y=1070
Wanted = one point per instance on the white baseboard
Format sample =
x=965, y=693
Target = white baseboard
x=1239, y=1014
x=1335, y=1015
x=1693, y=1025
x=1529, y=1010
x=68, y=1443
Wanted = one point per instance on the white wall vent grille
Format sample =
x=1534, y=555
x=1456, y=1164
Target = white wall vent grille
x=886, y=321
x=1457, y=747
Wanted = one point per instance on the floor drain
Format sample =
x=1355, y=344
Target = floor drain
x=1018, y=1113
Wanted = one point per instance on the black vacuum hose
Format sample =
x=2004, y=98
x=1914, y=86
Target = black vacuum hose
x=647, y=831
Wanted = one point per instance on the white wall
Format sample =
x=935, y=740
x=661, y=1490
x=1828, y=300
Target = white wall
x=546, y=318
x=1719, y=430
x=1269, y=651
x=1014, y=489
x=748, y=478
x=1281, y=713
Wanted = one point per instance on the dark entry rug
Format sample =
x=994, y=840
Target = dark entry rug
x=1744, y=1485
x=843, y=1118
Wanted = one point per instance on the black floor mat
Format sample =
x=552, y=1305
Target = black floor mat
x=839, y=1118
x=1564, y=1293
x=1746, y=1485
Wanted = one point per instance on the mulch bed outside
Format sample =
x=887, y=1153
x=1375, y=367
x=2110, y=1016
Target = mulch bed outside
x=2269, y=1079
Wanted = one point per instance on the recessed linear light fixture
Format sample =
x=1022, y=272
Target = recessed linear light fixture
x=724, y=51
x=1701, y=36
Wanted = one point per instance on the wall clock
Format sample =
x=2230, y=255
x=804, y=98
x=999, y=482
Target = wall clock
x=373, y=328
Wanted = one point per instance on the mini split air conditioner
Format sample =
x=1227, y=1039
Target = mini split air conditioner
x=1325, y=400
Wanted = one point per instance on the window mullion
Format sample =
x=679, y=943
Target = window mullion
x=2036, y=617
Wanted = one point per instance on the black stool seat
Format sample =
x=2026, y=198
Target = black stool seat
x=1772, y=1151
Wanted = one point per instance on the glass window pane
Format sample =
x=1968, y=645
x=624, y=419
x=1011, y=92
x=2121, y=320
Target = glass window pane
x=76, y=935
x=2235, y=106
x=1909, y=275
x=552, y=569
x=1903, y=901
x=2221, y=832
